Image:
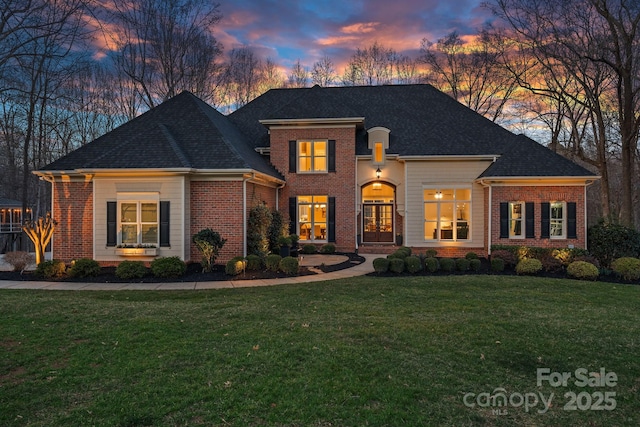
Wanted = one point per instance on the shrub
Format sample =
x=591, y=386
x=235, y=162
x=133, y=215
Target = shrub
x=611, y=241
x=471, y=255
x=550, y=263
x=626, y=267
x=289, y=265
x=397, y=254
x=209, y=243
x=475, y=264
x=277, y=227
x=328, y=248
x=309, y=249
x=51, y=269
x=430, y=253
x=131, y=270
x=583, y=270
x=254, y=262
x=381, y=265
x=405, y=250
x=529, y=266
x=396, y=265
x=462, y=264
x=431, y=264
x=85, y=267
x=497, y=264
x=168, y=267
x=273, y=262
x=588, y=258
x=507, y=256
x=235, y=266
x=447, y=264
x=19, y=260
x=413, y=264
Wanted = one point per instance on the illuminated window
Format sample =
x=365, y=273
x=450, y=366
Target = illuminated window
x=447, y=213
x=516, y=220
x=312, y=156
x=557, y=220
x=312, y=218
x=138, y=222
x=378, y=153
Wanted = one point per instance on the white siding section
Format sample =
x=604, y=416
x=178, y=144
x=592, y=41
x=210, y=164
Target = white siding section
x=172, y=189
x=443, y=174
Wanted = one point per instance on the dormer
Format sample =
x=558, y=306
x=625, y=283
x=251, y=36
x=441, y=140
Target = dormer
x=378, y=144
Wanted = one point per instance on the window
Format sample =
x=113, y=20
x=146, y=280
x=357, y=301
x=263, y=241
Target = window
x=312, y=156
x=378, y=153
x=557, y=220
x=312, y=218
x=516, y=220
x=447, y=214
x=138, y=223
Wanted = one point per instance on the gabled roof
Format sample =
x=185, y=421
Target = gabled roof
x=181, y=133
x=423, y=122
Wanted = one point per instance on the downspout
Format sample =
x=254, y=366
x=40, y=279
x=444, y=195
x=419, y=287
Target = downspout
x=489, y=222
x=52, y=181
x=278, y=188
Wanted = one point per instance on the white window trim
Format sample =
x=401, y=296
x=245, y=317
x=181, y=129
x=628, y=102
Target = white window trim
x=312, y=157
x=522, y=220
x=469, y=221
x=139, y=223
x=563, y=220
x=312, y=218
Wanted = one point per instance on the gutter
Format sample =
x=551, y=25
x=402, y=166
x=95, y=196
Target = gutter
x=489, y=224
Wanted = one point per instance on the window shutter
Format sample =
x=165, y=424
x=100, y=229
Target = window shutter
x=112, y=223
x=164, y=224
x=545, y=224
x=571, y=221
x=332, y=220
x=504, y=220
x=529, y=218
x=293, y=154
x=293, y=215
x=332, y=156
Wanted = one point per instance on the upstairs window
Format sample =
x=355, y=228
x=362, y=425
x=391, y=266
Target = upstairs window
x=378, y=153
x=312, y=156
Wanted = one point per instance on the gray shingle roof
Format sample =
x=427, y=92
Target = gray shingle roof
x=423, y=122
x=183, y=132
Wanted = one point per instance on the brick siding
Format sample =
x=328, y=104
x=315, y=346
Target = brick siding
x=73, y=210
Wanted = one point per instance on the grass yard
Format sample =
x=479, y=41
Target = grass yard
x=355, y=352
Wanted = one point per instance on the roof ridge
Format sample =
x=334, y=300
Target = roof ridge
x=174, y=145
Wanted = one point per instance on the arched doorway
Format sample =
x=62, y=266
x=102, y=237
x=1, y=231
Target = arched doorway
x=378, y=199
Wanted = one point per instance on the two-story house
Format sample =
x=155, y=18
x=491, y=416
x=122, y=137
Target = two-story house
x=360, y=167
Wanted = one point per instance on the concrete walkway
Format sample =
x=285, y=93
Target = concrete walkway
x=356, y=270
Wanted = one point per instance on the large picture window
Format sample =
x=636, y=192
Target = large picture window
x=312, y=156
x=312, y=218
x=138, y=223
x=447, y=213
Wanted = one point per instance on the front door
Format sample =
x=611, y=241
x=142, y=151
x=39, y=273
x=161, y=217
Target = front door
x=378, y=223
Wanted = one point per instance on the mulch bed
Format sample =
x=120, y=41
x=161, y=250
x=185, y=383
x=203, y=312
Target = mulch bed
x=194, y=274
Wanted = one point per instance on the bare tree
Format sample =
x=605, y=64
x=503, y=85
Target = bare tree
x=323, y=72
x=241, y=76
x=370, y=66
x=596, y=43
x=470, y=73
x=166, y=46
x=299, y=75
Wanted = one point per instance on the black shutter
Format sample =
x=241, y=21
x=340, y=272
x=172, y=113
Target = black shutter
x=293, y=215
x=164, y=224
x=529, y=218
x=112, y=223
x=332, y=155
x=504, y=220
x=571, y=221
x=545, y=224
x=332, y=219
x=293, y=156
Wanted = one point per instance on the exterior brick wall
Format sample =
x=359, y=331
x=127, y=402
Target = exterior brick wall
x=339, y=184
x=538, y=195
x=73, y=210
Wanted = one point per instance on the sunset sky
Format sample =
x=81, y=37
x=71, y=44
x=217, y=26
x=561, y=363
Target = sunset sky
x=287, y=30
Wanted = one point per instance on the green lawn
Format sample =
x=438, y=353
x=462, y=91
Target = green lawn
x=354, y=352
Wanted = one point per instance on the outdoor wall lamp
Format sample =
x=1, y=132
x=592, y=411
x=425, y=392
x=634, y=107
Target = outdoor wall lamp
x=378, y=172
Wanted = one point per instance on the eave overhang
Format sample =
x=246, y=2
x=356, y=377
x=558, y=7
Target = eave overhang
x=537, y=180
x=314, y=123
